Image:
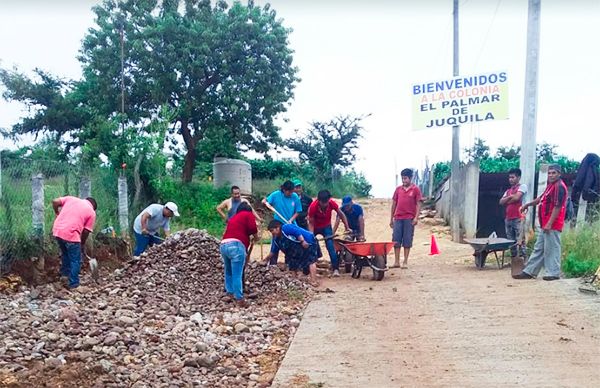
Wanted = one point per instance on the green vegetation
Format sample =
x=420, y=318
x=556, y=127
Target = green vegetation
x=581, y=255
x=504, y=159
x=196, y=201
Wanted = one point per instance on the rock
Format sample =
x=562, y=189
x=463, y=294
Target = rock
x=53, y=337
x=90, y=342
x=295, y=322
x=110, y=339
x=253, y=377
x=67, y=313
x=39, y=346
x=134, y=377
x=197, y=318
x=201, y=347
x=241, y=328
x=53, y=362
x=106, y=365
x=126, y=321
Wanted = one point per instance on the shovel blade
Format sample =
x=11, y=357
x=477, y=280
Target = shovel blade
x=94, y=268
x=516, y=265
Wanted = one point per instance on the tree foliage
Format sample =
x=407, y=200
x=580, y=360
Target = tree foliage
x=55, y=110
x=328, y=145
x=226, y=72
x=478, y=151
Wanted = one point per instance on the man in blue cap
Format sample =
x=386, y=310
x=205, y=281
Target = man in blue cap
x=355, y=215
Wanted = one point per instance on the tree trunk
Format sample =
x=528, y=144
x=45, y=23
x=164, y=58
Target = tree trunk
x=189, y=164
x=190, y=156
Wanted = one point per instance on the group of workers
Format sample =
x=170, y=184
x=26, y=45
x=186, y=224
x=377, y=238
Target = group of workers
x=298, y=220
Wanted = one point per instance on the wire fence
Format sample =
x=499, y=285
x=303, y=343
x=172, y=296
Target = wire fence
x=27, y=188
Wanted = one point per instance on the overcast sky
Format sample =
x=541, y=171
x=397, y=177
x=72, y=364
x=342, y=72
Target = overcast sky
x=358, y=57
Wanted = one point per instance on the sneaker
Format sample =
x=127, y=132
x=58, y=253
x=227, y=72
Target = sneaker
x=336, y=274
x=523, y=275
x=242, y=303
x=549, y=278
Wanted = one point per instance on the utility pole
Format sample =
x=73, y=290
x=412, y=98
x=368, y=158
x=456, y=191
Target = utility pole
x=528, y=135
x=455, y=165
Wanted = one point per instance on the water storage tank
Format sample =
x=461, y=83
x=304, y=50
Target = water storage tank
x=229, y=172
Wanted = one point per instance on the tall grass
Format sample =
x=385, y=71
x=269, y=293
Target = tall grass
x=580, y=247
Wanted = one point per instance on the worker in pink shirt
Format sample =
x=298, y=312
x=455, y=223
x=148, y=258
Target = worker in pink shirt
x=74, y=222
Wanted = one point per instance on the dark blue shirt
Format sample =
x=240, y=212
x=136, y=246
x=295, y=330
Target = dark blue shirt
x=352, y=215
x=291, y=233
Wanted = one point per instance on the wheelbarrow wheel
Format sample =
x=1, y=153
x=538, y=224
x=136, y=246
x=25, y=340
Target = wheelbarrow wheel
x=379, y=262
x=347, y=257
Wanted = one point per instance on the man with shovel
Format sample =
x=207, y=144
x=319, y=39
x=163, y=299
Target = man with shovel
x=74, y=222
x=285, y=203
x=319, y=222
x=148, y=223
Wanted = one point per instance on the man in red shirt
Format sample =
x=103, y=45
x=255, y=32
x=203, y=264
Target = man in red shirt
x=406, y=205
x=74, y=222
x=512, y=200
x=551, y=210
x=319, y=222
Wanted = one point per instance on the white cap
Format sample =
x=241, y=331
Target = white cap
x=172, y=207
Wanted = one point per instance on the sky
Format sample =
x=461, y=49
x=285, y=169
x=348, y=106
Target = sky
x=359, y=57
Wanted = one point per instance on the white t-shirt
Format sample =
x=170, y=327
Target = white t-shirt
x=156, y=221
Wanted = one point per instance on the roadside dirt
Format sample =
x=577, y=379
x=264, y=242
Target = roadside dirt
x=444, y=323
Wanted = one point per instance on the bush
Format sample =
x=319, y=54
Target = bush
x=196, y=202
x=580, y=250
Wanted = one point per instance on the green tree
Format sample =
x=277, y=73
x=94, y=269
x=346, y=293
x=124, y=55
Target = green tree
x=478, y=151
x=545, y=152
x=328, y=145
x=509, y=153
x=226, y=72
x=55, y=111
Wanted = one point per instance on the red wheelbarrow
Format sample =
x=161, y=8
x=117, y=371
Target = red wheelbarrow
x=357, y=255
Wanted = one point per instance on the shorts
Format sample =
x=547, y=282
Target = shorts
x=403, y=233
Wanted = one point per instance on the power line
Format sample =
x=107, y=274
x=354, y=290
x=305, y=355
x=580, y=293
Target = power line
x=487, y=34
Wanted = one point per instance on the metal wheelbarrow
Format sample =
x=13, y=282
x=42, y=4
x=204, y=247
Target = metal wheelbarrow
x=365, y=254
x=485, y=246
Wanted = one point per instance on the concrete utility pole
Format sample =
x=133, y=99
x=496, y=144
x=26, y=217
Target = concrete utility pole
x=455, y=165
x=528, y=135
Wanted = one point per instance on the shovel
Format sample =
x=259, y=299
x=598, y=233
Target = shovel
x=93, y=263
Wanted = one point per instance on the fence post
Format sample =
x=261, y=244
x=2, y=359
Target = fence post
x=37, y=205
x=581, y=212
x=85, y=187
x=123, y=206
x=541, y=186
x=471, y=191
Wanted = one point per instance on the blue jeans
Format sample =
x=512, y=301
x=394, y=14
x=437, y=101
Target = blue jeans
x=143, y=241
x=328, y=232
x=234, y=257
x=71, y=261
x=513, y=232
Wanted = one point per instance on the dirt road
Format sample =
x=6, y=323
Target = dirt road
x=443, y=323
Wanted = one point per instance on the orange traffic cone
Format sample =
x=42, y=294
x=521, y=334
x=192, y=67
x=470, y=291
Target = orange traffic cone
x=434, y=250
